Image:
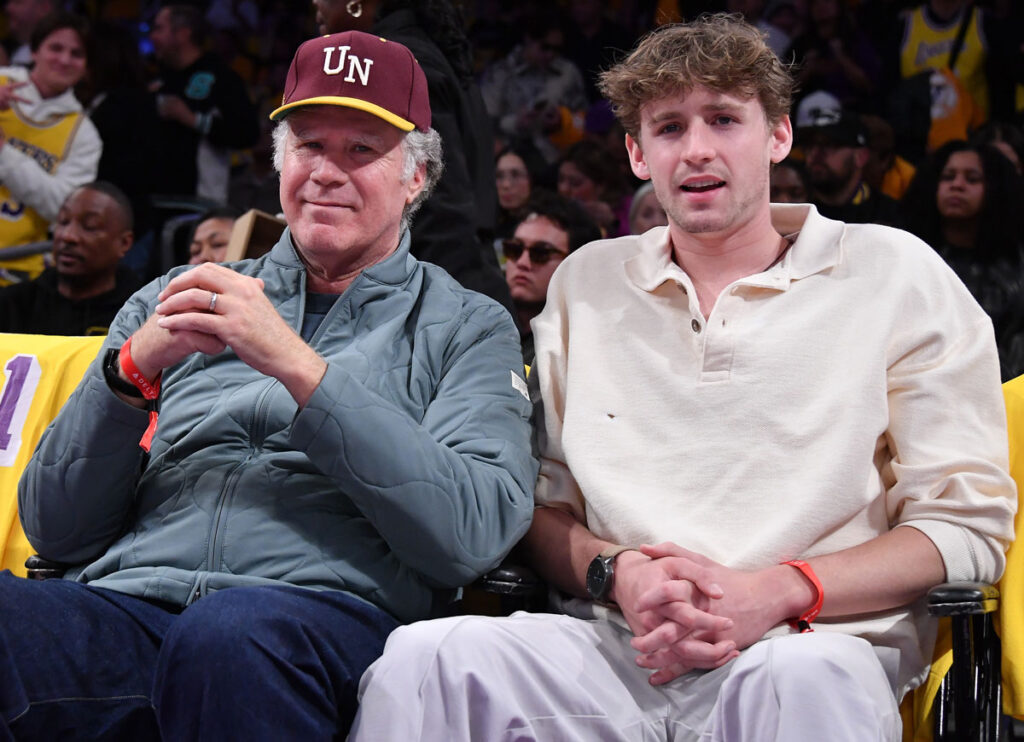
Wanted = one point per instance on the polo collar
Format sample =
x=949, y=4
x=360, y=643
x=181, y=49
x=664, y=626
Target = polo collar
x=817, y=245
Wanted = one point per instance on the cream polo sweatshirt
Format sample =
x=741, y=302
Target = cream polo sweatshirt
x=851, y=388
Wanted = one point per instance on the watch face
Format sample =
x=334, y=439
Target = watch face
x=598, y=574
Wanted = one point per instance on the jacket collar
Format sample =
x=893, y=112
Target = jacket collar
x=393, y=270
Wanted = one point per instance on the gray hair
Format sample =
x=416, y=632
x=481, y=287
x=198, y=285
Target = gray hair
x=418, y=148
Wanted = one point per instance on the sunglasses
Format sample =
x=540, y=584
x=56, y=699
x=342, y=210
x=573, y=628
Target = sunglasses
x=540, y=252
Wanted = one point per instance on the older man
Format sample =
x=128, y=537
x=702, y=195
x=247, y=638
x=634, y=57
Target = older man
x=268, y=468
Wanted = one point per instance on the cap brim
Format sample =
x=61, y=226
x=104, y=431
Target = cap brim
x=362, y=105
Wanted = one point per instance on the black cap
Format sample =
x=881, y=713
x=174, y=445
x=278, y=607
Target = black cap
x=832, y=126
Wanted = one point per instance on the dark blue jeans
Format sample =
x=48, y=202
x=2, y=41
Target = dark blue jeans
x=252, y=663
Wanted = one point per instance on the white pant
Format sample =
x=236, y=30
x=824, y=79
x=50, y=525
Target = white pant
x=554, y=677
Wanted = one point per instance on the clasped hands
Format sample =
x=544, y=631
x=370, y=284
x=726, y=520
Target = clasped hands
x=188, y=320
x=688, y=612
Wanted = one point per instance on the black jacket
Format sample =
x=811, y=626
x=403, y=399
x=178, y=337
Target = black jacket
x=36, y=307
x=447, y=229
x=207, y=86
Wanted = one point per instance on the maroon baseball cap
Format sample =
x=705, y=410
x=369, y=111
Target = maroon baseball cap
x=358, y=70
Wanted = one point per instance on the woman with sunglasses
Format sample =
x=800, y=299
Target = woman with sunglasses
x=552, y=228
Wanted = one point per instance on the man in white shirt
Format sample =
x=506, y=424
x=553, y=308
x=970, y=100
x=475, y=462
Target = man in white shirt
x=805, y=416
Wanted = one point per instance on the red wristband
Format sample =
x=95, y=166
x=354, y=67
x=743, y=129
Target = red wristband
x=803, y=623
x=149, y=391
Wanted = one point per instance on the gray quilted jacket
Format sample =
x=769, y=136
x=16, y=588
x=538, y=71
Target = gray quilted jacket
x=407, y=474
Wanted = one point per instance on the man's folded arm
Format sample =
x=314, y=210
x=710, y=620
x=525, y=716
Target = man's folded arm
x=451, y=493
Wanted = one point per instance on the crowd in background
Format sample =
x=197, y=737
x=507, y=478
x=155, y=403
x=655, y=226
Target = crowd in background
x=908, y=113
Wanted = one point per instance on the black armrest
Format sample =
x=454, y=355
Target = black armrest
x=970, y=696
x=511, y=579
x=43, y=569
x=506, y=589
x=962, y=598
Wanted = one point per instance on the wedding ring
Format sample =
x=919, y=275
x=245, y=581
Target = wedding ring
x=213, y=301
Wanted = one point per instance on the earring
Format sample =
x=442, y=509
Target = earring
x=354, y=8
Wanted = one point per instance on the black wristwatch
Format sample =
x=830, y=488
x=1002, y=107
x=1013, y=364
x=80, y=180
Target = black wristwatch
x=112, y=373
x=601, y=572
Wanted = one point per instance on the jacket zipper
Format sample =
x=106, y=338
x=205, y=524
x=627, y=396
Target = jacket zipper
x=257, y=429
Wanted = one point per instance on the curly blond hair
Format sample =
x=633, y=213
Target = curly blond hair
x=721, y=52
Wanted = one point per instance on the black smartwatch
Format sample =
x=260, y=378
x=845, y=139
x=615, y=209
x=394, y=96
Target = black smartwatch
x=601, y=572
x=112, y=373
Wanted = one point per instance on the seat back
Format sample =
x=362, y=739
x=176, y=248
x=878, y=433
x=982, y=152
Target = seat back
x=1010, y=617
x=38, y=374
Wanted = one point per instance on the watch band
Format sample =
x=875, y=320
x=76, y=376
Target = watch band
x=111, y=369
x=614, y=551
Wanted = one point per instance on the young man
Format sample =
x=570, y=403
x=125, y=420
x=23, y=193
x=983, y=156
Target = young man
x=805, y=416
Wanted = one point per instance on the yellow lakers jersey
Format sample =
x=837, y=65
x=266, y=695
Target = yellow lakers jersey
x=46, y=142
x=37, y=375
x=925, y=46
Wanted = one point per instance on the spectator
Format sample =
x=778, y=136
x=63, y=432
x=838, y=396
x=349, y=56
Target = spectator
x=238, y=567
x=925, y=34
x=1005, y=137
x=455, y=227
x=835, y=146
x=535, y=92
x=552, y=228
x=587, y=174
x=645, y=211
x=967, y=202
x=22, y=17
x=87, y=285
x=47, y=145
x=519, y=169
x=212, y=233
x=203, y=105
x=788, y=183
x=689, y=376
